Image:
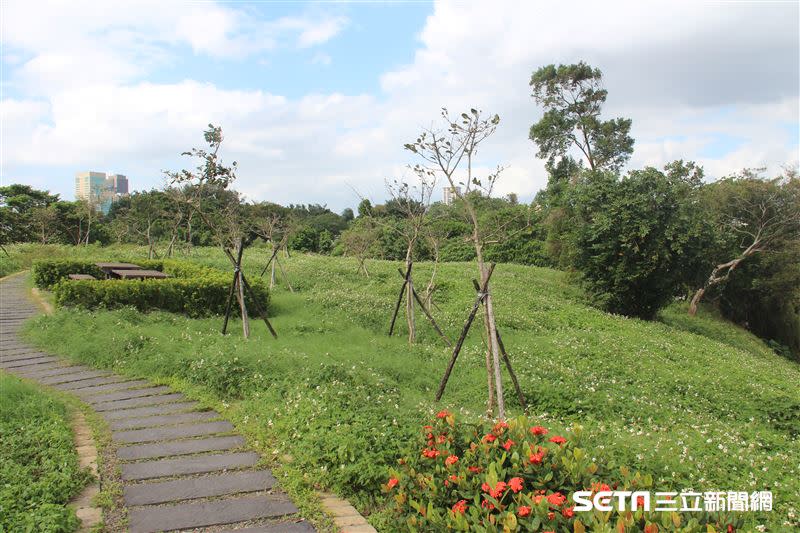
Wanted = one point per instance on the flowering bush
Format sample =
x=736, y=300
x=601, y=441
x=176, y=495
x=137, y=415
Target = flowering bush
x=514, y=476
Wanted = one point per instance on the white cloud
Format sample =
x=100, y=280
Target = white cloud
x=686, y=74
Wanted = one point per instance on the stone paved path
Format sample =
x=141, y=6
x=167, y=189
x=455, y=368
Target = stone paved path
x=181, y=468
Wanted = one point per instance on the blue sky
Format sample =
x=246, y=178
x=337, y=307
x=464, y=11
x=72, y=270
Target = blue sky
x=317, y=99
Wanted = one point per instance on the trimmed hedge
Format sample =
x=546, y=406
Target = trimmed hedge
x=193, y=290
x=47, y=273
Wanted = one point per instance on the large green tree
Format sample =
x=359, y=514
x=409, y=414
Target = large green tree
x=572, y=97
x=635, y=236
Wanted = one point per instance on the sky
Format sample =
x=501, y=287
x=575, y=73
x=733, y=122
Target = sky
x=317, y=99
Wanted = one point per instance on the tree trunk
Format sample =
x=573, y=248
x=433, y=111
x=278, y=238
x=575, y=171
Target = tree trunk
x=715, y=278
x=412, y=327
x=495, y=347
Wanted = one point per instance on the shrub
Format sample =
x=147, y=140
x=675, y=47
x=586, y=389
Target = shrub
x=515, y=476
x=193, y=290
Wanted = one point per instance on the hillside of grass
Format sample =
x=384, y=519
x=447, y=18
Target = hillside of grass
x=39, y=470
x=697, y=402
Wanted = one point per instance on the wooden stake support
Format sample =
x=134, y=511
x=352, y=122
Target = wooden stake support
x=479, y=300
x=240, y=283
x=406, y=278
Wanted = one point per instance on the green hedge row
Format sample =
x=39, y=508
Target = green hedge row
x=47, y=273
x=193, y=290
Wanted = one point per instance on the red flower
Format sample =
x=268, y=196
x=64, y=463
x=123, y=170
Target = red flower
x=487, y=505
x=538, y=430
x=536, y=458
x=731, y=529
x=393, y=481
x=460, y=506
x=431, y=454
x=568, y=512
x=639, y=502
x=515, y=483
x=601, y=487
x=651, y=528
x=453, y=478
x=499, y=428
x=551, y=515
x=523, y=510
x=537, y=499
x=558, y=439
x=489, y=438
x=475, y=469
x=509, y=443
x=451, y=460
x=495, y=492
x=442, y=414
x=556, y=499
x=441, y=439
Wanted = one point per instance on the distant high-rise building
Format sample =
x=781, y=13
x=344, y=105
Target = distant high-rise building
x=100, y=189
x=119, y=183
x=449, y=194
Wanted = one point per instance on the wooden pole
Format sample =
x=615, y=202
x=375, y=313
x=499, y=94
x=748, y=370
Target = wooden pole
x=236, y=263
x=400, y=297
x=427, y=313
x=506, y=359
x=463, y=336
x=259, y=309
x=275, y=251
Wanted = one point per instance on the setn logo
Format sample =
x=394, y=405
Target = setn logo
x=602, y=501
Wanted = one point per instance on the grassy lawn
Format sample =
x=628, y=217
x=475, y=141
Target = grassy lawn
x=699, y=403
x=39, y=470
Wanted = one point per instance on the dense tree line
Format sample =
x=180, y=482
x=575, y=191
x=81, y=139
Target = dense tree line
x=637, y=238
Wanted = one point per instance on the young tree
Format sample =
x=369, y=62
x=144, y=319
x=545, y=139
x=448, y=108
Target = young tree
x=219, y=208
x=572, y=97
x=412, y=202
x=359, y=241
x=753, y=216
x=446, y=152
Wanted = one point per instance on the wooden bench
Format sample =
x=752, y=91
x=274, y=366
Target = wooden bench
x=138, y=274
x=81, y=276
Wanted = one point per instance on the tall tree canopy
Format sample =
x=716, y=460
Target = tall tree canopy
x=572, y=97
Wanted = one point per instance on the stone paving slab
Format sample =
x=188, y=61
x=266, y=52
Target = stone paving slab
x=36, y=369
x=127, y=394
x=77, y=386
x=28, y=362
x=138, y=402
x=19, y=353
x=163, y=420
x=196, y=464
x=77, y=376
x=174, y=432
x=181, y=447
x=192, y=515
x=53, y=370
x=150, y=410
x=88, y=392
x=198, y=487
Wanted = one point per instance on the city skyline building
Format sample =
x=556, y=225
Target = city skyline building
x=100, y=189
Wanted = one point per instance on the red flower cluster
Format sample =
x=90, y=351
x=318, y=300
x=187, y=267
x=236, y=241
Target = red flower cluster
x=460, y=506
x=523, y=510
x=515, y=484
x=558, y=439
x=393, y=481
x=495, y=492
x=508, y=444
x=451, y=460
x=442, y=414
x=490, y=438
x=430, y=453
x=538, y=430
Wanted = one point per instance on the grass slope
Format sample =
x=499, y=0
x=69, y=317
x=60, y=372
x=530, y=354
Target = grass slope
x=39, y=470
x=697, y=402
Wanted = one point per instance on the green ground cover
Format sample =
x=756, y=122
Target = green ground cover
x=39, y=470
x=699, y=403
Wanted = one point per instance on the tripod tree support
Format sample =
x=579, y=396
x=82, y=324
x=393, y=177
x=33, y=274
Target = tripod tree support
x=506, y=359
x=240, y=280
x=400, y=297
x=425, y=310
x=236, y=270
x=478, y=301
